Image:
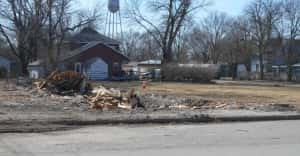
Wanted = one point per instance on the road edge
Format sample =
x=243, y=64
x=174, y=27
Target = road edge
x=59, y=125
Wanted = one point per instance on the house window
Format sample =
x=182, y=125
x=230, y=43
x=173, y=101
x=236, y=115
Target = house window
x=77, y=67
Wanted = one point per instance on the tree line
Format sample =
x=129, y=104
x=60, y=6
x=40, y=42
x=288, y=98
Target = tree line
x=176, y=35
x=38, y=28
x=170, y=30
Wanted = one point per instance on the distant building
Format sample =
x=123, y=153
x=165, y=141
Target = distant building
x=148, y=68
x=280, y=72
x=275, y=63
x=279, y=66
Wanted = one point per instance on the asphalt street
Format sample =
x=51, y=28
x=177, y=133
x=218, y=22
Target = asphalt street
x=227, y=139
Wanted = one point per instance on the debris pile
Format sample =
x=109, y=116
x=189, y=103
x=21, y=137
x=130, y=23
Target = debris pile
x=69, y=83
x=113, y=98
x=64, y=83
x=167, y=102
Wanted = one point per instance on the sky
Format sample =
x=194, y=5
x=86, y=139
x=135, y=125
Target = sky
x=231, y=7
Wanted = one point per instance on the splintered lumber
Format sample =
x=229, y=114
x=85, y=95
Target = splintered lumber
x=64, y=82
x=104, y=99
x=44, y=83
x=113, y=98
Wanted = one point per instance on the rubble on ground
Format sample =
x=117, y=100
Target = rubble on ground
x=157, y=102
x=69, y=83
x=113, y=98
x=64, y=83
x=73, y=90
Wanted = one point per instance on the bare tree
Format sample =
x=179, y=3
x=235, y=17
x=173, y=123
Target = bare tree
x=96, y=17
x=215, y=26
x=173, y=14
x=131, y=44
x=148, y=48
x=199, y=45
x=2, y=43
x=23, y=19
x=181, y=46
x=263, y=14
x=58, y=24
x=140, y=46
x=291, y=30
x=238, y=45
x=33, y=22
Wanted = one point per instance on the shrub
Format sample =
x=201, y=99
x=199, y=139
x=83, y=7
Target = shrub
x=185, y=73
x=3, y=72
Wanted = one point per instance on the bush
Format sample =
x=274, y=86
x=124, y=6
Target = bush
x=3, y=72
x=182, y=73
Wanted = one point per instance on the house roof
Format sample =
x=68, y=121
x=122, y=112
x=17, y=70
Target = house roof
x=78, y=51
x=150, y=62
x=297, y=65
x=86, y=47
x=36, y=63
x=198, y=65
x=90, y=35
x=285, y=66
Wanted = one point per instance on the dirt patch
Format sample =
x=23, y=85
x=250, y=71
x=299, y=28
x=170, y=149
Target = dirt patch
x=28, y=104
x=27, y=108
x=36, y=100
x=156, y=102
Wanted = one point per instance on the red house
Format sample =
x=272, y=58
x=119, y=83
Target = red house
x=90, y=53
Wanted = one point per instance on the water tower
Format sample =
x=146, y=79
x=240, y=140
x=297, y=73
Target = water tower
x=113, y=25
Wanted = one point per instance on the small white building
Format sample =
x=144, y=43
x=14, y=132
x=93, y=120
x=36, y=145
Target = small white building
x=281, y=72
x=148, y=68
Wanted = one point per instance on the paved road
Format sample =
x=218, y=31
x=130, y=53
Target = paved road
x=230, y=139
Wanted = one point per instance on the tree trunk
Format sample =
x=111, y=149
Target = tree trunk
x=290, y=72
x=23, y=63
x=23, y=60
x=248, y=68
x=24, y=70
x=234, y=67
x=167, y=56
x=261, y=65
x=290, y=62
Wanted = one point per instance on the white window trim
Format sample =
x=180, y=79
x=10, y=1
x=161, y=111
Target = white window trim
x=78, y=64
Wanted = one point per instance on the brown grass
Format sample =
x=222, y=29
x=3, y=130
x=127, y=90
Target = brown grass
x=284, y=95
x=239, y=93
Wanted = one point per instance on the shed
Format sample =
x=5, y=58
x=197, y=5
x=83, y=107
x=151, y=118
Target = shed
x=36, y=69
x=150, y=67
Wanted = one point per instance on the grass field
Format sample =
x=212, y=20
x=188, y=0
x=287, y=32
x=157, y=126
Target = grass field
x=239, y=93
